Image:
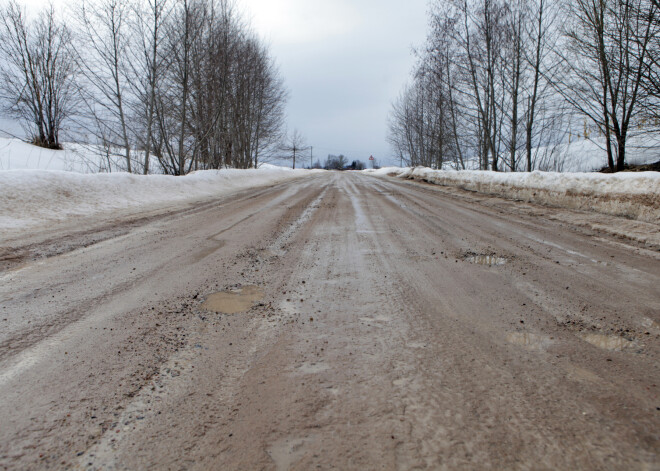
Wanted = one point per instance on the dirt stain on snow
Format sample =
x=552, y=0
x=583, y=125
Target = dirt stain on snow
x=234, y=301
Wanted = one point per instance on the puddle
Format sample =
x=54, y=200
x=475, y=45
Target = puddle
x=235, y=301
x=609, y=342
x=487, y=260
x=529, y=341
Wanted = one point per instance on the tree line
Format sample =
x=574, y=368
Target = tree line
x=499, y=83
x=183, y=83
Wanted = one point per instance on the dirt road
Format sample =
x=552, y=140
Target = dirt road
x=390, y=325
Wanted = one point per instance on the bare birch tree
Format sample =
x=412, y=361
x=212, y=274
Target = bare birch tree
x=105, y=32
x=38, y=70
x=148, y=64
x=607, y=53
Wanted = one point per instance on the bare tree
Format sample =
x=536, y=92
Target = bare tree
x=184, y=81
x=221, y=91
x=104, y=29
x=294, y=145
x=38, y=72
x=609, y=43
x=148, y=66
x=176, y=147
x=336, y=162
x=647, y=11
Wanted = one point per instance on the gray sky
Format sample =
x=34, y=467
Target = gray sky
x=343, y=62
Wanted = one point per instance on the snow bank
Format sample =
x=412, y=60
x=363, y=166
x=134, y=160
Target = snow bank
x=631, y=195
x=31, y=198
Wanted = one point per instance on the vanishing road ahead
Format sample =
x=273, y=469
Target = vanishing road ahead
x=385, y=325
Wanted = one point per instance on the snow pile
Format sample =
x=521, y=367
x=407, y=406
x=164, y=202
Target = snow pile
x=631, y=195
x=32, y=198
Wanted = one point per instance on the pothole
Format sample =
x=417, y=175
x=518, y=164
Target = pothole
x=609, y=342
x=233, y=301
x=486, y=260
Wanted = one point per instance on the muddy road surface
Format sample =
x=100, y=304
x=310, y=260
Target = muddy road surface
x=339, y=321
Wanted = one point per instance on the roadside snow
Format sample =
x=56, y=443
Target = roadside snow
x=36, y=198
x=631, y=195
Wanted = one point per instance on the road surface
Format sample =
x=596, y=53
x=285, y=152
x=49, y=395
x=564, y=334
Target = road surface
x=383, y=325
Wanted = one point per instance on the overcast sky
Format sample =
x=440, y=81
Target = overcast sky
x=343, y=62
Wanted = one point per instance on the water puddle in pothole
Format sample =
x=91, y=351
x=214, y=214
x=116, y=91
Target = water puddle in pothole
x=609, y=342
x=233, y=301
x=529, y=341
x=487, y=260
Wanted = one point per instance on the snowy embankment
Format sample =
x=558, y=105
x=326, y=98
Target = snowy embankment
x=631, y=195
x=34, y=199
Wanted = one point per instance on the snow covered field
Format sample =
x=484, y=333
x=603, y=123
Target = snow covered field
x=39, y=186
x=588, y=155
x=35, y=198
x=631, y=195
x=18, y=155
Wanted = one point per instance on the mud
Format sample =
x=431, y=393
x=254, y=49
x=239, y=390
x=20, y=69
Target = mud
x=234, y=301
x=362, y=337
